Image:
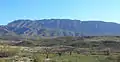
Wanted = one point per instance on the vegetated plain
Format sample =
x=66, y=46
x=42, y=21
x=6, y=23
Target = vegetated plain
x=61, y=49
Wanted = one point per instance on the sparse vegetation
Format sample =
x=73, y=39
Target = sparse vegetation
x=62, y=49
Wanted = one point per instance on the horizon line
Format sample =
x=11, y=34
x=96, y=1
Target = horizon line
x=90, y=20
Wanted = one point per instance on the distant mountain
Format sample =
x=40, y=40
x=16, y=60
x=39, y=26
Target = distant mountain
x=60, y=27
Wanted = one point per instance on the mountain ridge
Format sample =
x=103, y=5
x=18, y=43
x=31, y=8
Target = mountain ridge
x=61, y=27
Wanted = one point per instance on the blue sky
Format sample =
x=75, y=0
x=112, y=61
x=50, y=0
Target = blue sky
x=105, y=10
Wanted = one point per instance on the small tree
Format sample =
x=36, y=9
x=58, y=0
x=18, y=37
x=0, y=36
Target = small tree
x=107, y=52
x=35, y=60
x=47, y=50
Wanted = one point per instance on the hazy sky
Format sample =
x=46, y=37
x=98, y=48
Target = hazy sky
x=105, y=10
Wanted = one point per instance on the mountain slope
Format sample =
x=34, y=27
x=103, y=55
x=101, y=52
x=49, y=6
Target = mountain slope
x=60, y=27
x=38, y=28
